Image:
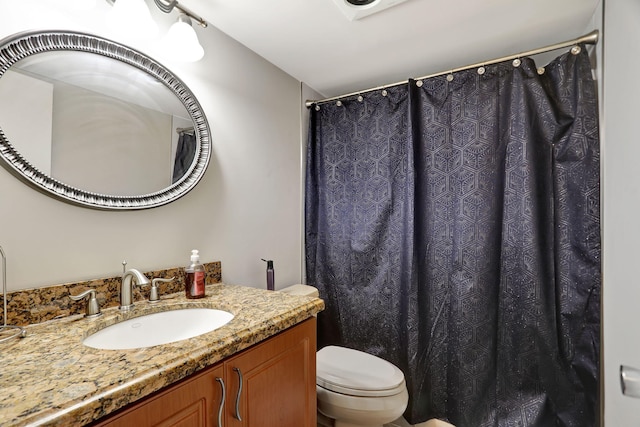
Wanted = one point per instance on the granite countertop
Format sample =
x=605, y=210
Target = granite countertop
x=50, y=378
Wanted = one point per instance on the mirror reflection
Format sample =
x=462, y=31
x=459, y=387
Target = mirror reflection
x=96, y=123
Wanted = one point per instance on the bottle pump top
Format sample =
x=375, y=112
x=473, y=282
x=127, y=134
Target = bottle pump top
x=195, y=257
x=269, y=263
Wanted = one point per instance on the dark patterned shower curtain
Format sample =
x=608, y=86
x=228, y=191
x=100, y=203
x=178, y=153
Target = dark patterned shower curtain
x=453, y=229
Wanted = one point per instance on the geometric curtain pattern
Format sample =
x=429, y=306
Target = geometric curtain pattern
x=453, y=228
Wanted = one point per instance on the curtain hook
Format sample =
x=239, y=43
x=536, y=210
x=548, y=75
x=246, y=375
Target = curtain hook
x=541, y=70
x=339, y=103
x=317, y=107
x=576, y=50
x=481, y=70
x=450, y=76
x=384, y=92
x=360, y=98
x=419, y=83
x=516, y=62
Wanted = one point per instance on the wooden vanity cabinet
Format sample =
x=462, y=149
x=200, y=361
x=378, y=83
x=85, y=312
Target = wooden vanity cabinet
x=272, y=384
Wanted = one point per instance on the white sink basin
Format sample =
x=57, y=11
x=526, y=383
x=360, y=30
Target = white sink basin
x=158, y=328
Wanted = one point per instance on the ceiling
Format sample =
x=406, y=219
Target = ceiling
x=315, y=42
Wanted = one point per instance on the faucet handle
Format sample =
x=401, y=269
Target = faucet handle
x=92, y=308
x=154, y=296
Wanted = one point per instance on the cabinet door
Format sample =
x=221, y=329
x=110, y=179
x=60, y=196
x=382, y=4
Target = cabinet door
x=274, y=383
x=194, y=402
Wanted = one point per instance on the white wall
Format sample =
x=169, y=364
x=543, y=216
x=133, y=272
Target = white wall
x=106, y=145
x=29, y=133
x=246, y=207
x=621, y=195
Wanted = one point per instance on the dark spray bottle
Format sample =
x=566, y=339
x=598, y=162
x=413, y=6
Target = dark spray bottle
x=270, y=278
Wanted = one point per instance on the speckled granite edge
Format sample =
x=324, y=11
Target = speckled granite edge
x=50, y=378
x=26, y=307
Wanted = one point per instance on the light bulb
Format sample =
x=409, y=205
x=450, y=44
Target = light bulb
x=182, y=42
x=132, y=19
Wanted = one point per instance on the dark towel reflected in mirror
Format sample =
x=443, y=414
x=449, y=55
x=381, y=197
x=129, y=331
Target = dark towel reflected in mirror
x=185, y=152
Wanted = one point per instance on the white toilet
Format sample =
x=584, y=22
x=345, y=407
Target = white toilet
x=355, y=389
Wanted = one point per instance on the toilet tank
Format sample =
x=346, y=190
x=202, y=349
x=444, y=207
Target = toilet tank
x=304, y=290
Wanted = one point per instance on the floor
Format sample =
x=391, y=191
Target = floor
x=431, y=423
x=400, y=422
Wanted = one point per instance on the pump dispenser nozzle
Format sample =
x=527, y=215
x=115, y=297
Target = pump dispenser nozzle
x=270, y=274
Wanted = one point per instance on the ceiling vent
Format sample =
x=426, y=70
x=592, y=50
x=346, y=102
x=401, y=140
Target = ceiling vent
x=358, y=9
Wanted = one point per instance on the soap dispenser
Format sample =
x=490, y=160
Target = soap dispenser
x=270, y=274
x=194, y=281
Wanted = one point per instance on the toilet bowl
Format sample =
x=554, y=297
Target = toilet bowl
x=358, y=389
x=355, y=389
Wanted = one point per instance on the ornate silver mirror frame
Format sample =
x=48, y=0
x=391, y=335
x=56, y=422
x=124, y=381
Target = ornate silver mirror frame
x=22, y=45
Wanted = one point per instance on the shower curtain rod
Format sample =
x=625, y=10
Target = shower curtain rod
x=590, y=38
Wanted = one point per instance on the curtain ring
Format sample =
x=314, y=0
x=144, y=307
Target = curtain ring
x=384, y=92
x=576, y=50
x=481, y=70
x=419, y=83
x=317, y=107
x=541, y=70
x=360, y=98
x=339, y=103
x=450, y=76
x=516, y=62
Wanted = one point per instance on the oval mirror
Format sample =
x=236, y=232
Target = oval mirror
x=98, y=124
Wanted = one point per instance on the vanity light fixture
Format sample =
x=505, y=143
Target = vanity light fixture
x=181, y=41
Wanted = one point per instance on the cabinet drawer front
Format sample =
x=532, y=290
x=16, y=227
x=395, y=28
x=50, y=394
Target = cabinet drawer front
x=191, y=403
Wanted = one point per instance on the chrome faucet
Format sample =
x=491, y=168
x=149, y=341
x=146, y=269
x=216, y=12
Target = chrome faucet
x=126, y=291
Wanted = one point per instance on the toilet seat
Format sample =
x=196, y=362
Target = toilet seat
x=355, y=373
